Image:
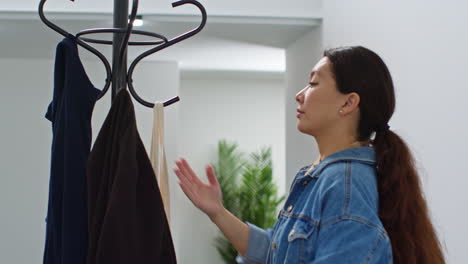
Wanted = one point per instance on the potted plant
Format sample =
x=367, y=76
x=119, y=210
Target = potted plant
x=248, y=190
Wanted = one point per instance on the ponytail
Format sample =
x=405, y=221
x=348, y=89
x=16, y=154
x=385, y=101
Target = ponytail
x=402, y=206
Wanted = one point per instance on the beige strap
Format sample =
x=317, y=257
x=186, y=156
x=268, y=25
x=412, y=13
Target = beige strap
x=158, y=156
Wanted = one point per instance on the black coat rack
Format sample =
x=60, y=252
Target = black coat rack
x=118, y=75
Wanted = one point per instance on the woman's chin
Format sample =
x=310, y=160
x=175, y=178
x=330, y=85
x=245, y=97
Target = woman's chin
x=303, y=129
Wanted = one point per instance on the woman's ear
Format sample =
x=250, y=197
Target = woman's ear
x=351, y=103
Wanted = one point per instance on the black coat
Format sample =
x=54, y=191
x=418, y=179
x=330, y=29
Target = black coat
x=127, y=221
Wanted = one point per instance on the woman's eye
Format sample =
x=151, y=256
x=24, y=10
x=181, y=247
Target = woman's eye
x=313, y=84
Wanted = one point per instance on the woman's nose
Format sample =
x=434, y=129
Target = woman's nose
x=299, y=96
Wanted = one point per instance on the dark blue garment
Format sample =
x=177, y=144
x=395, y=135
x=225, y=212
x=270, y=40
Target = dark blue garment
x=70, y=113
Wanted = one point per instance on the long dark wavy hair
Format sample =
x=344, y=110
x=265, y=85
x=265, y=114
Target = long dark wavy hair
x=402, y=206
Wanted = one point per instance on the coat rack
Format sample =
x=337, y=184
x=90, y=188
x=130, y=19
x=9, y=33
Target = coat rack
x=123, y=28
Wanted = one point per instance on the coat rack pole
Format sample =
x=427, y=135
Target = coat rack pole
x=119, y=68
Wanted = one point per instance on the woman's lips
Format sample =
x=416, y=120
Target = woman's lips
x=299, y=113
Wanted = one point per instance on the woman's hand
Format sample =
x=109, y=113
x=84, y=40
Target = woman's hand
x=206, y=197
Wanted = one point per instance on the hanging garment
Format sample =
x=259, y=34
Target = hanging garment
x=70, y=113
x=158, y=156
x=127, y=222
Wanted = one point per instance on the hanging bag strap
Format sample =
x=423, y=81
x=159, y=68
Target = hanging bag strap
x=158, y=156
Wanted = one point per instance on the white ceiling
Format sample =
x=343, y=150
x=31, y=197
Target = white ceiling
x=275, y=8
x=228, y=42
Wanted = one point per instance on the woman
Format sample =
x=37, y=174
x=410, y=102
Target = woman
x=361, y=201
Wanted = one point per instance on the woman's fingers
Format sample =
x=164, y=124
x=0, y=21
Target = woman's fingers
x=188, y=168
x=185, y=184
x=191, y=174
x=211, y=175
x=182, y=177
x=188, y=192
x=183, y=169
x=190, y=181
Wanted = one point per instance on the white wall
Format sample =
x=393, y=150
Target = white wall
x=239, y=107
x=301, y=57
x=24, y=158
x=26, y=141
x=425, y=45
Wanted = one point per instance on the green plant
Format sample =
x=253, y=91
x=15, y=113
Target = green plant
x=248, y=190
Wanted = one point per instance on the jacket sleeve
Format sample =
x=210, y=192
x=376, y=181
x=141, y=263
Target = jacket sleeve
x=258, y=245
x=352, y=241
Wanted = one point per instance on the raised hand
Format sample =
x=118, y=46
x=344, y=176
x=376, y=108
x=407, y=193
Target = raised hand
x=206, y=197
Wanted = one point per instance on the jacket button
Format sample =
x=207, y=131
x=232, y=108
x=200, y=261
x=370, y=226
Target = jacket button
x=290, y=208
x=273, y=245
x=305, y=183
x=291, y=233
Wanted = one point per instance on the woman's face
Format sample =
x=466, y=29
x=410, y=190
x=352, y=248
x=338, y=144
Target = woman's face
x=320, y=101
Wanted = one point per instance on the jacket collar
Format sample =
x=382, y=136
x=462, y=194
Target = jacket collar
x=361, y=154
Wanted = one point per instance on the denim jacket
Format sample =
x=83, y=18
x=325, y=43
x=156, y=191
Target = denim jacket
x=330, y=216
